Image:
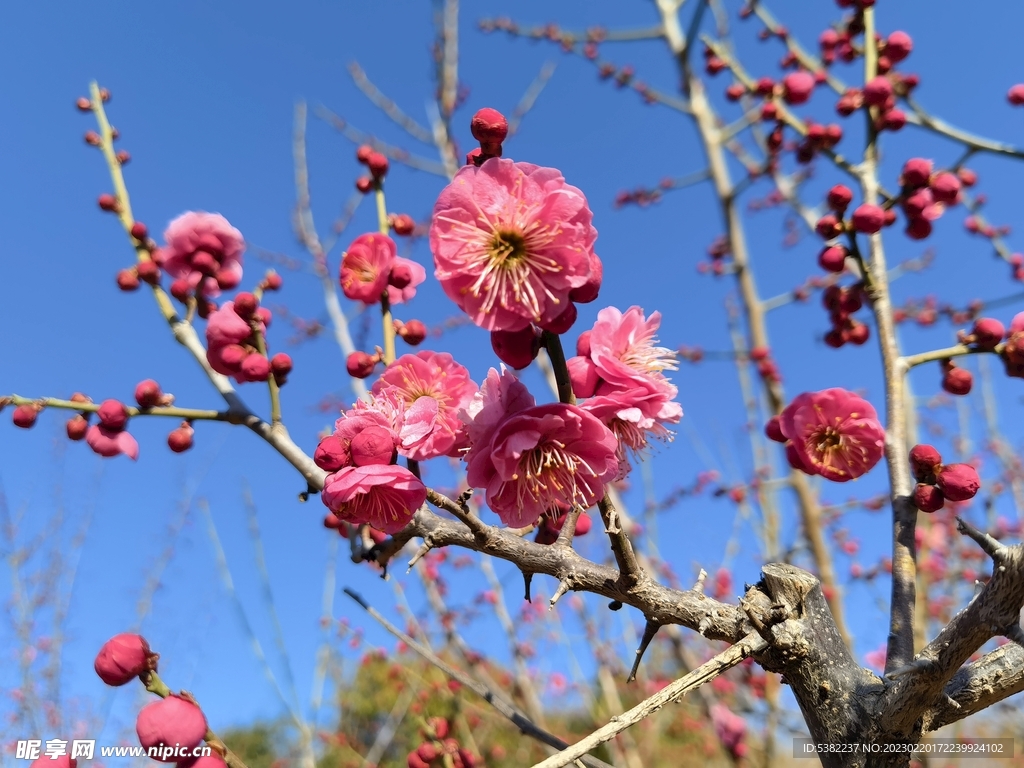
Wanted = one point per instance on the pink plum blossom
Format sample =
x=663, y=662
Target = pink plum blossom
x=204, y=249
x=510, y=242
x=542, y=456
x=433, y=388
x=172, y=721
x=109, y=437
x=730, y=728
x=833, y=433
x=231, y=350
x=385, y=496
x=366, y=266
x=501, y=395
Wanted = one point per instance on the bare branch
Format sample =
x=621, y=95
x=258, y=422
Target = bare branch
x=387, y=106
x=397, y=154
x=530, y=97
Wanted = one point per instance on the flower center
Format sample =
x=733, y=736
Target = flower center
x=507, y=247
x=827, y=440
x=548, y=473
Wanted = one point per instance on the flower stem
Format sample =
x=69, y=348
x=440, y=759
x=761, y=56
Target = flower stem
x=553, y=344
x=275, y=391
x=959, y=350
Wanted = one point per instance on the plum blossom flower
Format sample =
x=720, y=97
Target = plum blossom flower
x=510, y=242
x=621, y=372
x=730, y=728
x=204, y=249
x=385, y=496
x=833, y=433
x=541, y=456
x=366, y=266
x=433, y=389
x=501, y=395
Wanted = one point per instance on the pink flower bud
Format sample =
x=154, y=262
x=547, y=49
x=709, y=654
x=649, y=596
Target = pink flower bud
x=24, y=416
x=583, y=524
x=364, y=184
x=839, y=197
x=360, y=365
x=957, y=381
x=735, y=92
x=987, y=332
x=415, y=761
x=868, y=218
x=148, y=394
x=127, y=280
x=564, y=322
x=264, y=315
x=245, y=305
x=1016, y=95
x=227, y=279
x=833, y=258
x=516, y=349
x=378, y=165
x=414, y=332
x=112, y=414
x=108, y=202
x=61, y=761
x=83, y=104
x=256, y=367
x=272, y=282
x=892, y=119
x=148, y=272
x=232, y=356
x=332, y=454
x=857, y=333
x=583, y=375
x=773, y=430
x=439, y=726
x=958, y=482
x=918, y=228
x=139, y=231
x=180, y=440
x=489, y=126
x=363, y=153
x=878, y=91
x=76, y=427
x=123, y=658
x=916, y=172
x=945, y=188
x=898, y=46
x=173, y=721
x=373, y=445
x=797, y=87
x=928, y=498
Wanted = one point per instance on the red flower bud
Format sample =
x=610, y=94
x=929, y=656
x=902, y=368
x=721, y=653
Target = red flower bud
x=773, y=430
x=378, y=165
x=1016, y=95
x=439, y=726
x=414, y=332
x=516, y=349
x=227, y=279
x=564, y=321
x=489, y=126
x=264, y=315
x=916, y=172
x=24, y=416
x=272, y=282
x=281, y=364
x=83, y=104
x=833, y=258
x=255, y=367
x=148, y=272
x=857, y=333
x=945, y=188
x=245, y=305
x=76, y=427
x=918, y=228
x=928, y=498
x=127, y=280
x=878, y=91
x=839, y=197
x=892, y=119
x=967, y=177
x=374, y=445
x=401, y=274
x=140, y=231
x=360, y=364
x=180, y=440
x=148, y=393
x=122, y=658
x=956, y=381
x=113, y=414
x=363, y=153
x=174, y=722
x=735, y=92
x=868, y=218
x=403, y=224
x=987, y=332
x=181, y=290
x=898, y=46
x=958, y=482
x=828, y=227
x=364, y=184
x=108, y=202
x=797, y=87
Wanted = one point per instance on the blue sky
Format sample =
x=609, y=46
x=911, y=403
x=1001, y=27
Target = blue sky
x=203, y=96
